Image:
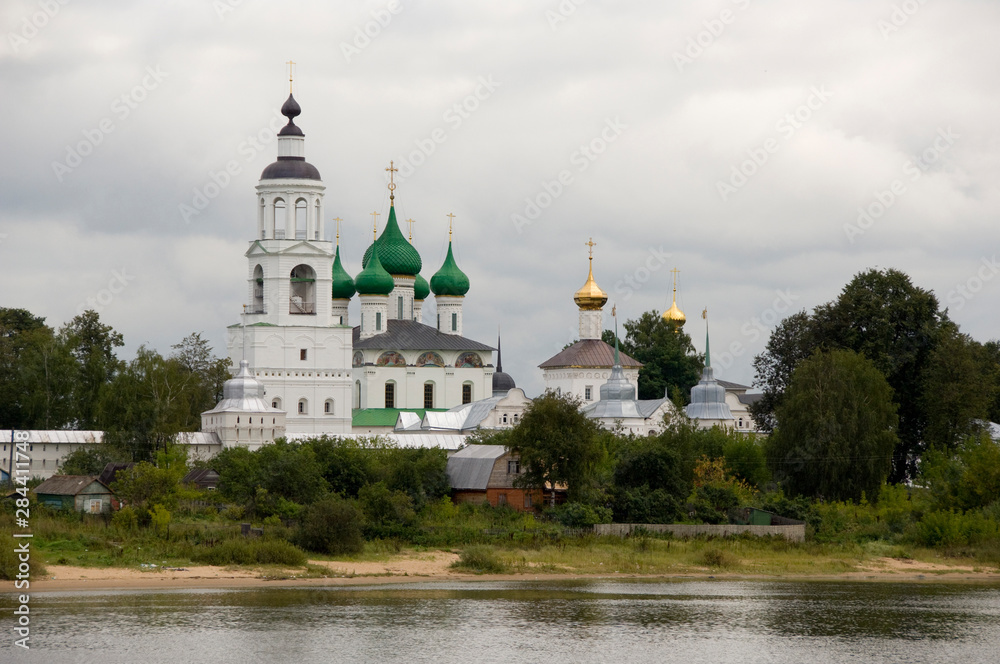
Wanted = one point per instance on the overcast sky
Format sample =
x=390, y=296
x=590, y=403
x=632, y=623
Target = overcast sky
x=737, y=141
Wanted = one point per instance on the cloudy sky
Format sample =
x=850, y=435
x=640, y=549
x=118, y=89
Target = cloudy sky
x=768, y=150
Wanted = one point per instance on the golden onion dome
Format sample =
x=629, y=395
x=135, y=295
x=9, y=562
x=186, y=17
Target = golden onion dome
x=675, y=315
x=590, y=297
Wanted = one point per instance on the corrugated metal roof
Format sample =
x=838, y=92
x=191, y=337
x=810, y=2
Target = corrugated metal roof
x=442, y=441
x=589, y=353
x=67, y=485
x=470, y=468
x=411, y=335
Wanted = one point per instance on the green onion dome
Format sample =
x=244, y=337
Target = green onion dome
x=374, y=280
x=421, y=289
x=343, y=285
x=398, y=256
x=449, y=280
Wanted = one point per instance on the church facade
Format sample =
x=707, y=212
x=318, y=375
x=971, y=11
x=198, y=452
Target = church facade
x=296, y=334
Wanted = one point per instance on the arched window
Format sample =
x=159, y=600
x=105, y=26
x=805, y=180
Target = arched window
x=258, y=291
x=390, y=394
x=265, y=225
x=428, y=395
x=301, y=220
x=278, y=219
x=318, y=221
x=303, y=407
x=357, y=394
x=302, y=291
x=466, y=392
x=276, y=403
x=328, y=407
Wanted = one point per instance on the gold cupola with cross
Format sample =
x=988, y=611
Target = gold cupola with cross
x=590, y=297
x=674, y=315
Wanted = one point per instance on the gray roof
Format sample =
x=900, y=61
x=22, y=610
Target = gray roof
x=411, y=335
x=708, y=399
x=749, y=399
x=470, y=468
x=732, y=387
x=589, y=353
x=57, y=436
x=618, y=400
x=68, y=485
x=243, y=394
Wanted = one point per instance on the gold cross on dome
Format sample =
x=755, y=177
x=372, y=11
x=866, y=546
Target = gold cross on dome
x=392, y=185
x=375, y=216
x=338, y=220
x=290, y=65
x=591, y=244
x=410, y=222
x=451, y=219
x=675, y=272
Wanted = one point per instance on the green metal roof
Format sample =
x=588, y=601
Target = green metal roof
x=343, y=285
x=374, y=280
x=385, y=417
x=450, y=280
x=421, y=289
x=397, y=255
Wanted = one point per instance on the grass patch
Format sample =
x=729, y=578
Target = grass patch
x=481, y=559
x=252, y=552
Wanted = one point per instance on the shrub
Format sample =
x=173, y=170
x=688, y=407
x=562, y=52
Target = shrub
x=239, y=551
x=125, y=520
x=332, y=526
x=717, y=558
x=481, y=559
x=950, y=528
x=579, y=515
x=9, y=562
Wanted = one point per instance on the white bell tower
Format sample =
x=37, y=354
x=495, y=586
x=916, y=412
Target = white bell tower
x=295, y=346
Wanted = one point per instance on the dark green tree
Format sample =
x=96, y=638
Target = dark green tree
x=208, y=373
x=558, y=446
x=331, y=525
x=93, y=347
x=15, y=324
x=837, y=429
x=959, y=386
x=791, y=342
x=670, y=363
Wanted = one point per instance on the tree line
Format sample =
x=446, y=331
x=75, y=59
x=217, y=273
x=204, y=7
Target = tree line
x=71, y=378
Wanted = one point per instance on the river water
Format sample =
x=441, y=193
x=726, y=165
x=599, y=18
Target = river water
x=548, y=622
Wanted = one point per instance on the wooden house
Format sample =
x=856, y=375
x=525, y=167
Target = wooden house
x=485, y=474
x=82, y=493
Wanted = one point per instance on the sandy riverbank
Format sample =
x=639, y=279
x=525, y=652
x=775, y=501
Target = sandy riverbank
x=411, y=567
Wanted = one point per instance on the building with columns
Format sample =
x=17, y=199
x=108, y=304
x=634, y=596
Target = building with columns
x=581, y=368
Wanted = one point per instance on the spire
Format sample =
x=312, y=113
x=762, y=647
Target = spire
x=338, y=220
x=499, y=360
x=708, y=357
x=614, y=314
x=398, y=256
